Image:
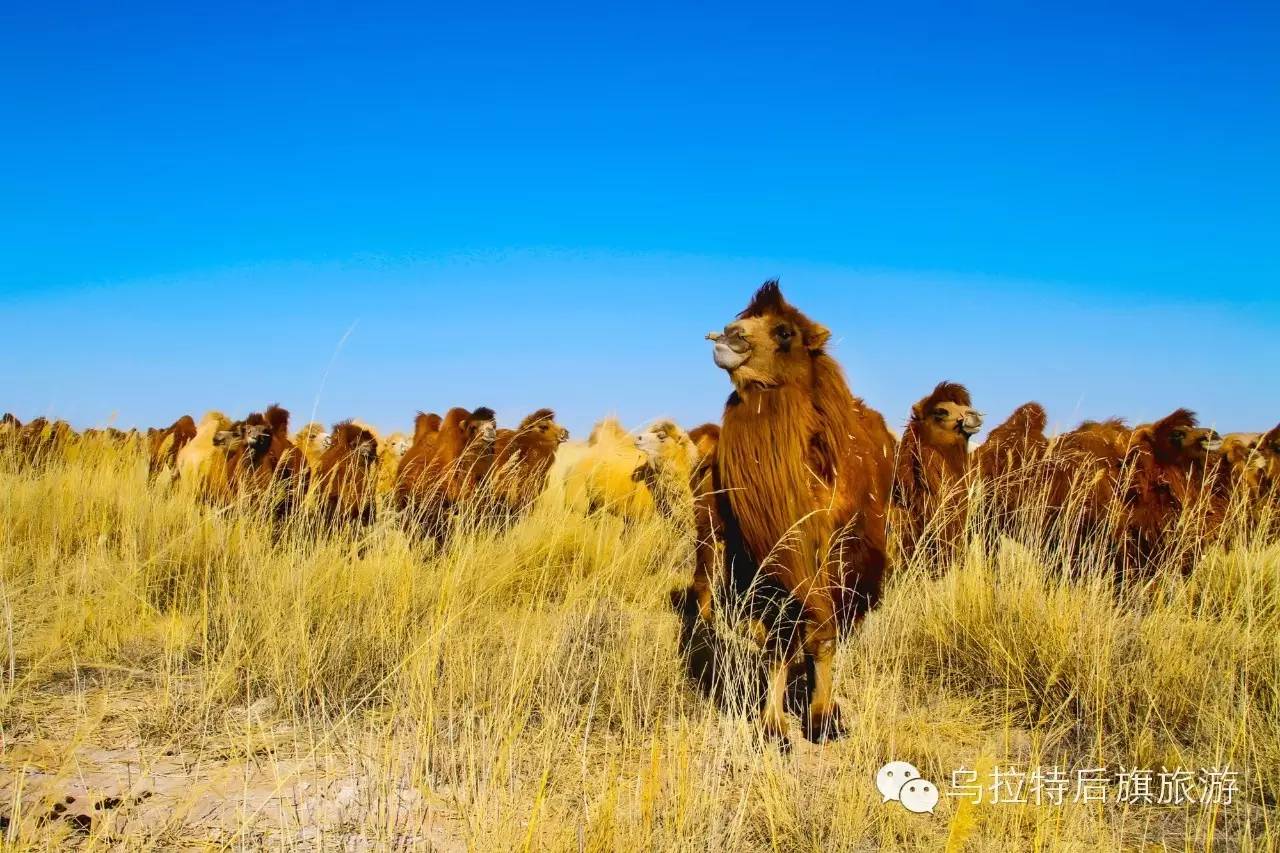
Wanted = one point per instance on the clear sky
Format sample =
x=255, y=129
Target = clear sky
x=377, y=208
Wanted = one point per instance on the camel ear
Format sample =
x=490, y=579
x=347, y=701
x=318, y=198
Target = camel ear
x=816, y=337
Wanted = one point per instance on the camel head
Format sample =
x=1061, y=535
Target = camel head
x=1178, y=439
x=355, y=442
x=770, y=344
x=947, y=416
x=312, y=436
x=541, y=428
x=481, y=426
x=397, y=443
x=1266, y=455
x=1240, y=449
x=253, y=437
x=665, y=442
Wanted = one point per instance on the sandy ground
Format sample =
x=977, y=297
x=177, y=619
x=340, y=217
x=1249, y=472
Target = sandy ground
x=112, y=787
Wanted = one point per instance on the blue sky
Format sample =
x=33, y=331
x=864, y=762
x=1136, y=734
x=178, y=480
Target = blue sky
x=375, y=210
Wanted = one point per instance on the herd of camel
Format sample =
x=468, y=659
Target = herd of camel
x=789, y=500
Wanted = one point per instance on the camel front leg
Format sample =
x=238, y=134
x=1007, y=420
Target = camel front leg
x=823, y=721
x=703, y=570
x=708, y=560
x=773, y=718
x=822, y=716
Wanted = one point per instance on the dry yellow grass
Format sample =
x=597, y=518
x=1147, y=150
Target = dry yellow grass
x=523, y=689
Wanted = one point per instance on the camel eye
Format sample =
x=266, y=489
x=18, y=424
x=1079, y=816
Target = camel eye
x=939, y=413
x=783, y=333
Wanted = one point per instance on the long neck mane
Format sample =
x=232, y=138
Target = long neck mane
x=768, y=445
x=763, y=462
x=536, y=452
x=951, y=459
x=474, y=460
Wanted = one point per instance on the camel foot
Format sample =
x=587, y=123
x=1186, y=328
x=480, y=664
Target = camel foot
x=824, y=724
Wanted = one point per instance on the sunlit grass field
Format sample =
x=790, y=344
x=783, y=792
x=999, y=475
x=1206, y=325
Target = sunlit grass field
x=191, y=675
